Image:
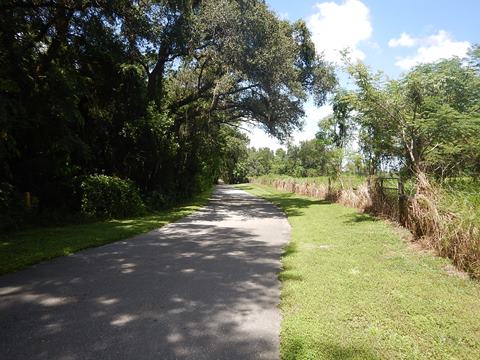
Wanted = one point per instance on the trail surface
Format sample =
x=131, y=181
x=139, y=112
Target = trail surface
x=204, y=287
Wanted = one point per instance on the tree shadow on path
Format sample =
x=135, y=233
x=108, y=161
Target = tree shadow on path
x=196, y=289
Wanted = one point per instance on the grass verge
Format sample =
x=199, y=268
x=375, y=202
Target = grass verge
x=353, y=289
x=23, y=248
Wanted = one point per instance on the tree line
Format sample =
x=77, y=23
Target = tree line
x=310, y=158
x=150, y=91
x=425, y=123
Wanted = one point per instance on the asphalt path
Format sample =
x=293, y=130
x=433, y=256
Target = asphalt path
x=204, y=287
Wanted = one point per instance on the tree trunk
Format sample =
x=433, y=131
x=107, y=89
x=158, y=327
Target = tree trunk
x=156, y=77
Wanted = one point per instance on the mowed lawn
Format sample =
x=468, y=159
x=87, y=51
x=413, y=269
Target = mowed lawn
x=22, y=248
x=352, y=288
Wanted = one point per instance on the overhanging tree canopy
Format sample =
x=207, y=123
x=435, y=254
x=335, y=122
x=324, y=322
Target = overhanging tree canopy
x=142, y=89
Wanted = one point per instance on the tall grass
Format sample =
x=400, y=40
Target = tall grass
x=443, y=217
x=446, y=218
x=347, y=190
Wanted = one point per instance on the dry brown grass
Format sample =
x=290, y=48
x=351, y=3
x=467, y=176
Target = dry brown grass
x=448, y=233
x=357, y=198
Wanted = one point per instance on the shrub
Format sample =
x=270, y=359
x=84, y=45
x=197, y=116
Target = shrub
x=157, y=200
x=10, y=208
x=110, y=197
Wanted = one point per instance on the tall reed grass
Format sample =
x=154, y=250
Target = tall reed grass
x=438, y=220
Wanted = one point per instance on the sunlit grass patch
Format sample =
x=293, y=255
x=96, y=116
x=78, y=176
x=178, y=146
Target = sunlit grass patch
x=353, y=289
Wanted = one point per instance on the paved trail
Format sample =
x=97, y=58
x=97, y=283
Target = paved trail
x=204, y=287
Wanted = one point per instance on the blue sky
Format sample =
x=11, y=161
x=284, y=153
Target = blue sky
x=388, y=35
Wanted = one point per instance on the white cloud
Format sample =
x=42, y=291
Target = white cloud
x=374, y=45
x=313, y=114
x=258, y=139
x=336, y=27
x=404, y=40
x=431, y=48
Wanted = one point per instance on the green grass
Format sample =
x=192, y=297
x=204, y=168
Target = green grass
x=462, y=196
x=353, y=289
x=22, y=248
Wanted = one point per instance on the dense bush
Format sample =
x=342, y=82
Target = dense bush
x=158, y=200
x=10, y=207
x=110, y=197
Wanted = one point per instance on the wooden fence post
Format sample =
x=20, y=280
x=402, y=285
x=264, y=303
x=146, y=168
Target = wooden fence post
x=402, y=203
x=27, y=199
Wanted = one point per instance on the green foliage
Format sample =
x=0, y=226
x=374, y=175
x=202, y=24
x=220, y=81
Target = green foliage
x=462, y=196
x=427, y=121
x=11, y=210
x=146, y=91
x=156, y=200
x=235, y=154
x=355, y=164
x=309, y=158
x=260, y=161
x=110, y=197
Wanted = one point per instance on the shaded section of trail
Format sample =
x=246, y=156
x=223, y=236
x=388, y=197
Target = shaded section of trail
x=204, y=287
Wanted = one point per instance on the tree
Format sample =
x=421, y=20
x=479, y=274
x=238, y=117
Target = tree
x=427, y=119
x=146, y=90
x=260, y=161
x=235, y=153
